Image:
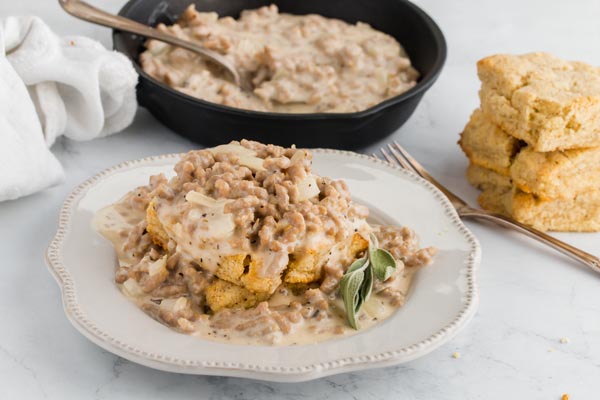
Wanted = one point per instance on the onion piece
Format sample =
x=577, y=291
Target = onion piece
x=180, y=304
x=158, y=266
x=246, y=156
x=308, y=188
x=132, y=288
x=298, y=156
x=375, y=308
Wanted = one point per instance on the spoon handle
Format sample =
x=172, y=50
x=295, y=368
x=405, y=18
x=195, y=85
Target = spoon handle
x=87, y=12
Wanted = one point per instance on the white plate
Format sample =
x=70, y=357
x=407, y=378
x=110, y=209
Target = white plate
x=442, y=300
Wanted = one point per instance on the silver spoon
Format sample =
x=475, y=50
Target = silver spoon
x=87, y=12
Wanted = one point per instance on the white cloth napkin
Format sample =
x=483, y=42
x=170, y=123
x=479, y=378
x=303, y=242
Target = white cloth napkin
x=52, y=86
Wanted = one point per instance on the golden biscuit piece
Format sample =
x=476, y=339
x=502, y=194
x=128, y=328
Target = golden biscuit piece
x=557, y=174
x=550, y=175
x=154, y=227
x=240, y=276
x=495, y=199
x=254, y=281
x=244, y=270
x=487, y=145
x=222, y=294
x=304, y=268
x=307, y=267
x=579, y=214
x=550, y=103
x=358, y=245
x=233, y=267
x=239, y=269
x=483, y=178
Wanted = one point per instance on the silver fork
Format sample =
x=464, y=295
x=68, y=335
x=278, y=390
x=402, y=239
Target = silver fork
x=399, y=156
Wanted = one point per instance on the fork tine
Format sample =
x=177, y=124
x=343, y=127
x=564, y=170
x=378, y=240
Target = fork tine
x=388, y=157
x=420, y=170
x=401, y=160
x=415, y=165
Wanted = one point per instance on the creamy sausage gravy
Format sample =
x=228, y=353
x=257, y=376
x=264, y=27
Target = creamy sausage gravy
x=297, y=63
x=262, y=201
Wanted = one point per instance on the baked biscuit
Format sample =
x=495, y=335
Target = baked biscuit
x=239, y=269
x=549, y=103
x=550, y=175
x=244, y=270
x=495, y=198
x=494, y=187
x=579, y=214
x=239, y=275
x=304, y=268
x=308, y=267
x=486, y=145
x=484, y=178
x=223, y=294
x=557, y=174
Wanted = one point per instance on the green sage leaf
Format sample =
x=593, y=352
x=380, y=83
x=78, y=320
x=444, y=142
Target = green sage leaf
x=350, y=286
x=351, y=289
x=356, y=285
x=360, y=263
x=367, y=286
x=383, y=263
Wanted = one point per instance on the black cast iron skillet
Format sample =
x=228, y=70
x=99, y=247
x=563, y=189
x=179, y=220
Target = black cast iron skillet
x=211, y=124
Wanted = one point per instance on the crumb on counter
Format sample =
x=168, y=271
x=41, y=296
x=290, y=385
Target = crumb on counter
x=564, y=340
x=456, y=354
x=564, y=397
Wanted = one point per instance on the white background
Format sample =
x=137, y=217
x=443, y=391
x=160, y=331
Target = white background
x=530, y=296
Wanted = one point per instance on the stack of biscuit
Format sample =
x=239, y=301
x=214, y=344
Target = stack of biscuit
x=534, y=144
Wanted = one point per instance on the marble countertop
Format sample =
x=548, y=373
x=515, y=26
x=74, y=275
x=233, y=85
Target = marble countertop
x=531, y=297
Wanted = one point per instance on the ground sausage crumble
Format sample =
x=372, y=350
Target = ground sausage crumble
x=297, y=63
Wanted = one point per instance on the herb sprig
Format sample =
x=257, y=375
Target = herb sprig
x=357, y=283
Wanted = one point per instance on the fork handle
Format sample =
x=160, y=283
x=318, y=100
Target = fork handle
x=587, y=259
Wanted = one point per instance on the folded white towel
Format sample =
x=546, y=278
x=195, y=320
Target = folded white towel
x=50, y=86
